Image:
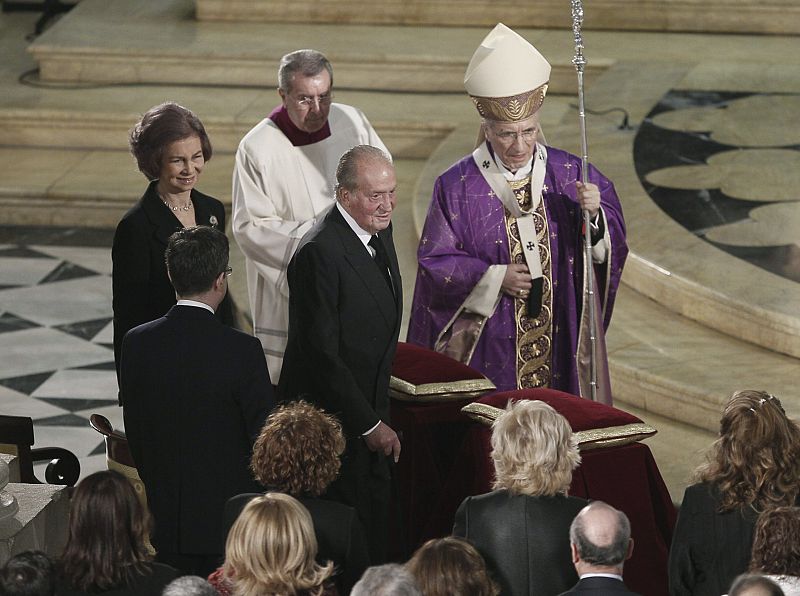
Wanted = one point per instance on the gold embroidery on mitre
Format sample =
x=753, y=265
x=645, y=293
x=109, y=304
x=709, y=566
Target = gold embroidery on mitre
x=512, y=108
x=534, y=336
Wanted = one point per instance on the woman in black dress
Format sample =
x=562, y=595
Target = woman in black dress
x=754, y=465
x=171, y=148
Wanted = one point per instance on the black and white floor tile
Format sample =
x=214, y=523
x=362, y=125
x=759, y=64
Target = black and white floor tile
x=57, y=362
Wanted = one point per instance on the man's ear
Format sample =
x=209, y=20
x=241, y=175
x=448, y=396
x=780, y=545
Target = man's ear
x=574, y=550
x=282, y=93
x=630, y=550
x=220, y=281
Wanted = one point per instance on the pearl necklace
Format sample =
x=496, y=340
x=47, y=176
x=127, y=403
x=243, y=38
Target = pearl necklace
x=186, y=207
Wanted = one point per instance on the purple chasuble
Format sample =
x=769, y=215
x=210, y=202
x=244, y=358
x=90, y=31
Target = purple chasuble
x=297, y=137
x=465, y=233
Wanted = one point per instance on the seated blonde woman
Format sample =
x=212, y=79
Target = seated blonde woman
x=298, y=453
x=271, y=550
x=521, y=528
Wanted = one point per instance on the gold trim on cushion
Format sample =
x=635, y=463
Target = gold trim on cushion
x=613, y=435
x=594, y=438
x=482, y=413
x=513, y=108
x=446, y=391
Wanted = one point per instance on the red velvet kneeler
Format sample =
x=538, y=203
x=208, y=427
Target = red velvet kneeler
x=432, y=436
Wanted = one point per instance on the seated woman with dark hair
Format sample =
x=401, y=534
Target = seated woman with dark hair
x=776, y=548
x=451, y=567
x=106, y=550
x=522, y=527
x=754, y=465
x=271, y=550
x=298, y=453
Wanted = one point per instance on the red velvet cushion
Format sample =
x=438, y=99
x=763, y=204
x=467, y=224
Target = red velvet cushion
x=420, y=374
x=595, y=424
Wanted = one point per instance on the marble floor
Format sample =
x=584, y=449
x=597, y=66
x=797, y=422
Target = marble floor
x=707, y=170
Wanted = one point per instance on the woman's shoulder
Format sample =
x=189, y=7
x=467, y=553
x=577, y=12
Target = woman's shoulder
x=152, y=580
x=206, y=199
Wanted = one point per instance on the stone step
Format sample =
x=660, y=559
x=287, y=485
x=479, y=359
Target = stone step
x=411, y=125
x=159, y=41
x=679, y=269
x=674, y=367
x=719, y=16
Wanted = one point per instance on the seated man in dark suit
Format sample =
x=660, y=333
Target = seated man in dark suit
x=195, y=395
x=600, y=540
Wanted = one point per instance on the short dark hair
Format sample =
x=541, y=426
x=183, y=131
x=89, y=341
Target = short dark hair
x=308, y=63
x=161, y=125
x=298, y=450
x=195, y=257
x=744, y=582
x=776, y=548
x=28, y=573
x=607, y=555
x=107, y=536
x=450, y=565
x=347, y=169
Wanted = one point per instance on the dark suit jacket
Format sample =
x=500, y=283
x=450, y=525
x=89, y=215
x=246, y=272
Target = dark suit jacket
x=142, y=291
x=343, y=325
x=524, y=540
x=599, y=586
x=195, y=395
x=339, y=533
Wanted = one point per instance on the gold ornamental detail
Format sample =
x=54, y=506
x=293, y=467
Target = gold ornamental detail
x=534, y=335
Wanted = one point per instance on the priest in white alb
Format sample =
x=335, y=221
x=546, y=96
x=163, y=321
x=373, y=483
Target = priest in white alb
x=283, y=180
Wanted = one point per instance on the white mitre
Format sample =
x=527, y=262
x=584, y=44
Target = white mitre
x=507, y=77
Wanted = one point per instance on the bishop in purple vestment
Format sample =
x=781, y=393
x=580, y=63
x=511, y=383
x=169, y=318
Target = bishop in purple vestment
x=500, y=283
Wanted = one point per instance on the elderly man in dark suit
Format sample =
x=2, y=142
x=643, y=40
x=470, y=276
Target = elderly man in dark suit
x=600, y=540
x=345, y=305
x=195, y=395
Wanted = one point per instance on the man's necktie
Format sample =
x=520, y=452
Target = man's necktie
x=381, y=259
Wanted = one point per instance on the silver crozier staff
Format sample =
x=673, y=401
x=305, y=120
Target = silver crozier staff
x=580, y=62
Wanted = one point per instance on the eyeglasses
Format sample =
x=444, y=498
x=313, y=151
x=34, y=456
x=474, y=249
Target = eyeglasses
x=306, y=101
x=228, y=271
x=508, y=137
